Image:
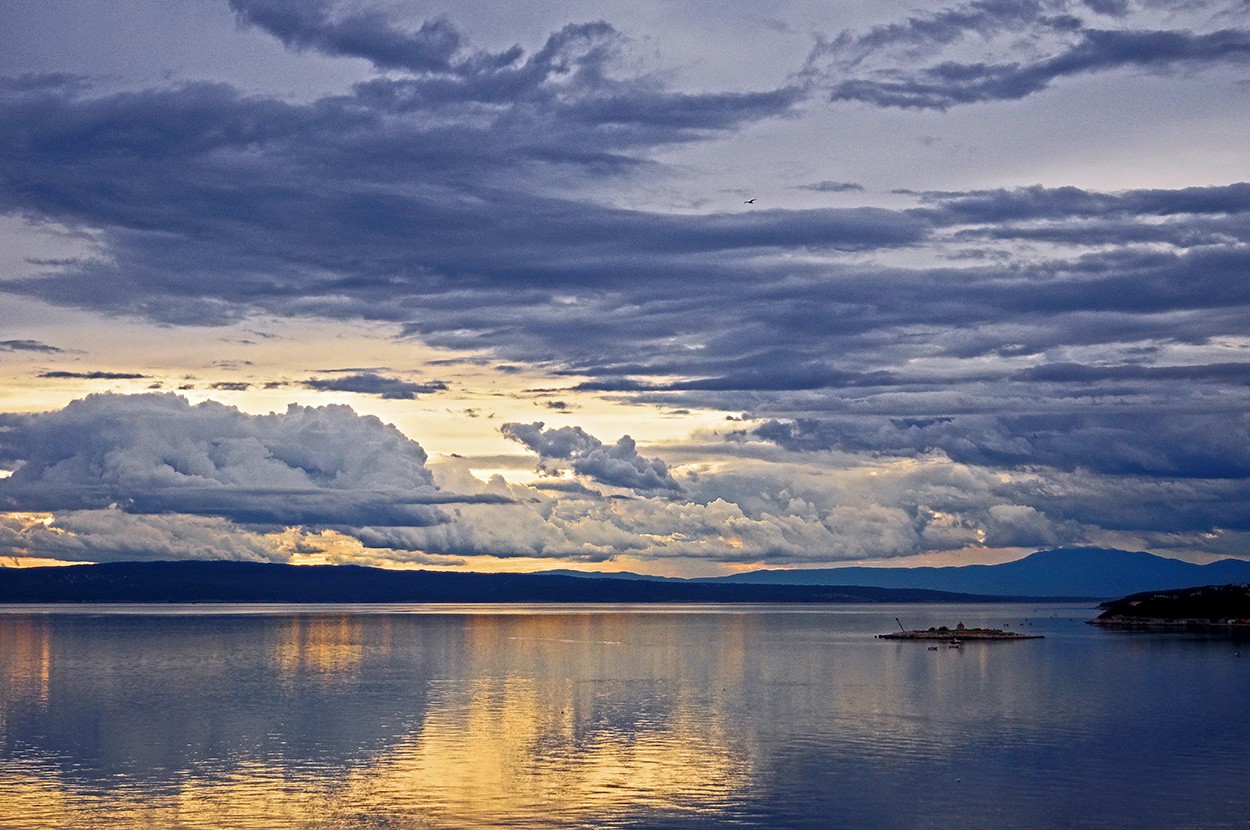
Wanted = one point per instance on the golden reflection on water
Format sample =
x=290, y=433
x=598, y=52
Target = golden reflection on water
x=481, y=768
x=329, y=644
x=500, y=750
x=26, y=654
x=555, y=716
x=193, y=718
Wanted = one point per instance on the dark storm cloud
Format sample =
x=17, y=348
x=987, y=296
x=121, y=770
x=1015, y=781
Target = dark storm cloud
x=621, y=465
x=1113, y=8
x=561, y=442
x=828, y=186
x=1005, y=328
x=567, y=488
x=849, y=327
x=571, y=69
x=154, y=454
x=1113, y=232
x=270, y=204
x=95, y=375
x=925, y=32
x=1229, y=373
x=1156, y=444
x=308, y=24
x=787, y=376
x=951, y=83
x=579, y=56
x=372, y=383
x=618, y=465
x=1059, y=203
x=28, y=346
x=923, y=60
x=1202, y=508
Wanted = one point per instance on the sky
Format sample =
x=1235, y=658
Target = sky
x=676, y=288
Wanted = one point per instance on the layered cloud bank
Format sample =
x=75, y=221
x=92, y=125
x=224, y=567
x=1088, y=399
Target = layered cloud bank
x=159, y=454
x=909, y=371
x=152, y=476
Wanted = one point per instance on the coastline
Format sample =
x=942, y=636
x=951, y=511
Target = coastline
x=1159, y=624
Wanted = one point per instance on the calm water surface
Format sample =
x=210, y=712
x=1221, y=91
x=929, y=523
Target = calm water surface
x=466, y=717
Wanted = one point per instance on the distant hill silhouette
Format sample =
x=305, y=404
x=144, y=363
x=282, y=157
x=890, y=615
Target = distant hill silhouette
x=261, y=582
x=1062, y=573
x=1070, y=572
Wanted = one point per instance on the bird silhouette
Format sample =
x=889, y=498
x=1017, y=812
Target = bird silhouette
x=749, y=202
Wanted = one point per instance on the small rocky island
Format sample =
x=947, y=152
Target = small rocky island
x=960, y=632
x=1209, y=608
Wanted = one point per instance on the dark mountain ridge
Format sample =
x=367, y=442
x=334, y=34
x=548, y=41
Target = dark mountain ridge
x=262, y=582
x=1070, y=572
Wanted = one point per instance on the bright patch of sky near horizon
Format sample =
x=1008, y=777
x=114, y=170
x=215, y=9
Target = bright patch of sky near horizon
x=1039, y=341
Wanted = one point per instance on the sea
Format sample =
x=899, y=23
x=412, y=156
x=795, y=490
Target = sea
x=589, y=716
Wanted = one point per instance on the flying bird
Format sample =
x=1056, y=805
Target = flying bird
x=749, y=202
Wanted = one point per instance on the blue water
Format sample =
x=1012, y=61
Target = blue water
x=466, y=717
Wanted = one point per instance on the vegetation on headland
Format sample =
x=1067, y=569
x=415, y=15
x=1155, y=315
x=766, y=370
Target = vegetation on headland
x=1211, y=606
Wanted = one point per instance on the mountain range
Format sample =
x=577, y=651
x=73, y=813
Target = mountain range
x=267, y=582
x=1063, y=572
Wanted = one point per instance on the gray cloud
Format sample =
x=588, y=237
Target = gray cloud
x=153, y=477
x=618, y=465
x=158, y=453
x=372, y=383
x=1229, y=373
x=559, y=443
x=949, y=84
x=828, y=186
x=363, y=34
x=112, y=534
x=289, y=236
x=925, y=33
x=1130, y=443
x=638, y=278
x=1060, y=203
x=93, y=375
x=28, y=346
x=1060, y=331
x=923, y=60
x=621, y=465
x=1113, y=8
